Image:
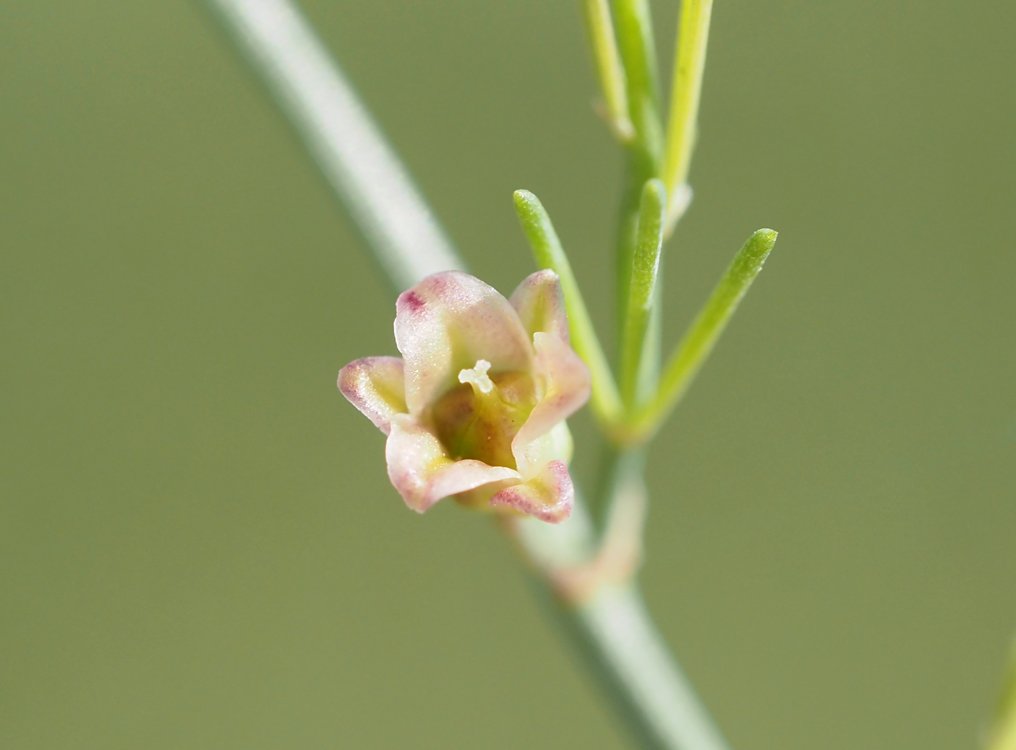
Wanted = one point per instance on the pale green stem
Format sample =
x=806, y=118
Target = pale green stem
x=696, y=345
x=686, y=93
x=642, y=294
x=609, y=69
x=618, y=625
x=1003, y=734
x=549, y=253
x=623, y=645
x=615, y=633
x=341, y=137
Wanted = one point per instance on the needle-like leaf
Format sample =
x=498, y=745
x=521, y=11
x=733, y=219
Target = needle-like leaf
x=686, y=91
x=549, y=253
x=693, y=350
x=642, y=293
x=609, y=68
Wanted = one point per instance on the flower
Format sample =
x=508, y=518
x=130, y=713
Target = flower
x=475, y=407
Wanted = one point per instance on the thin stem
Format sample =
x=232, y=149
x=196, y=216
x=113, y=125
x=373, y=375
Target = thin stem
x=686, y=92
x=697, y=343
x=650, y=692
x=343, y=141
x=549, y=253
x=625, y=648
x=609, y=68
x=642, y=295
x=615, y=634
x=647, y=677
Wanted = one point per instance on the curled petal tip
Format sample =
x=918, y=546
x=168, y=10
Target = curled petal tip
x=540, y=304
x=376, y=387
x=421, y=470
x=549, y=497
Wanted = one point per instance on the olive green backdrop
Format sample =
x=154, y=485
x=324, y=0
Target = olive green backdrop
x=198, y=544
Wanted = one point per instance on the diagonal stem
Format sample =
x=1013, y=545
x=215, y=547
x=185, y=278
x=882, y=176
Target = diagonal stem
x=343, y=141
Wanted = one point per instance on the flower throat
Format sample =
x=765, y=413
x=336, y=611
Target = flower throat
x=479, y=418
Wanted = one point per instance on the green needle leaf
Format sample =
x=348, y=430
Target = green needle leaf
x=693, y=350
x=638, y=53
x=686, y=83
x=549, y=253
x=641, y=295
x=609, y=67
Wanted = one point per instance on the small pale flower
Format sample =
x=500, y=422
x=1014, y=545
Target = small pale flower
x=475, y=409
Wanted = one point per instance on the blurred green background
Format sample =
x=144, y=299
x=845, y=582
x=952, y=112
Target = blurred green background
x=198, y=544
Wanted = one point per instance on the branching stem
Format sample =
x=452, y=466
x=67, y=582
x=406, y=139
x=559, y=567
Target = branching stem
x=617, y=634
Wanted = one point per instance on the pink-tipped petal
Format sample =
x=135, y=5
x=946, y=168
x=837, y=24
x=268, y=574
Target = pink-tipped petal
x=540, y=304
x=423, y=473
x=375, y=386
x=565, y=389
x=549, y=496
x=445, y=324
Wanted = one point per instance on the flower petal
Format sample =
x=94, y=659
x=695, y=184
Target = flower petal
x=375, y=386
x=540, y=304
x=422, y=471
x=553, y=445
x=549, y=496
x=445, y=324
x=566, y=388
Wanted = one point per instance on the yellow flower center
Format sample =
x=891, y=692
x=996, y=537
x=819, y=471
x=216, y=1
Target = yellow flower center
x=479, y=418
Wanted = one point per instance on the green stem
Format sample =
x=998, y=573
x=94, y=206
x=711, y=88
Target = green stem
x=650, y=692
x=696, y=345
x=549, y=253
x=657, y=701
x=625, y=648
x=613, y=631
x=686, y=93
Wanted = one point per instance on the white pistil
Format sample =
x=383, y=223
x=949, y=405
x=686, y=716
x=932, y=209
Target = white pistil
x=477, y=377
